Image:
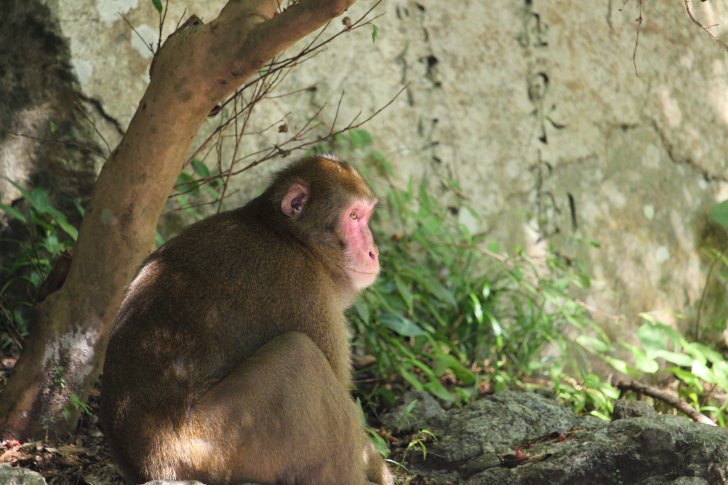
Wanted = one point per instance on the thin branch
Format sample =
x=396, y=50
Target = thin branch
x=705, y=28
x=666, y=397
x=261, y=91
x=283, y=150
x=96, y=130
x=149, y=45
x=69, y=143
x=336, y=114
x=637, y=38
x=270, y=76
x=162, y=17
x=310, y=48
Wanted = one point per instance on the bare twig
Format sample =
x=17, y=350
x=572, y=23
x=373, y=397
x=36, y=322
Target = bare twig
x=311, y=48
x=96, y=130
x=637, y=38
x=162, y=17
x=69, y=143
x=666, y=397
x=262, y=86
x=149, y=45
x=705, y=28
x=260, y=92
x=303, y=143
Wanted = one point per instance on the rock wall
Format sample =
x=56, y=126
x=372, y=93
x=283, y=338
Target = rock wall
x=558, y=121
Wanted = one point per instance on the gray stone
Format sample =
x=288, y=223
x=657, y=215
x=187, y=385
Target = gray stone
x=498, y=423
x=13, y=475
x=477, y=445
x=626, y=408
x=419, y=407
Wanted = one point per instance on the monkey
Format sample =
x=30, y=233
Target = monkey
x=229, y=360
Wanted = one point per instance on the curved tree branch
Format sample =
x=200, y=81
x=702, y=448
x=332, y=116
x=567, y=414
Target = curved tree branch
x=196, y=68
x=666, y=397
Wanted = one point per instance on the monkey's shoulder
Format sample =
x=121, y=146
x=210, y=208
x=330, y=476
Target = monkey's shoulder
x=238, y=250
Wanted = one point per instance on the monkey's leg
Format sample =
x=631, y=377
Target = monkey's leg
x=281, y=416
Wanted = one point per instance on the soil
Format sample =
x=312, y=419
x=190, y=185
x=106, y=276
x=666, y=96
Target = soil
x=81, y=459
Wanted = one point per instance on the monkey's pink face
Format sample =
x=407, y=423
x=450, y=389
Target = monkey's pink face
x=362, y=258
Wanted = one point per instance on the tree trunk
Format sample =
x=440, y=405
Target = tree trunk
x=197, y=67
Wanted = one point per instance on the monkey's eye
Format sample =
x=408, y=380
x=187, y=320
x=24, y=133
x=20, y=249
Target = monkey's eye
x=354, y=215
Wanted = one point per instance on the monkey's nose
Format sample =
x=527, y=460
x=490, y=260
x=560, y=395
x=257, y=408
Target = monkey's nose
x=373, y=254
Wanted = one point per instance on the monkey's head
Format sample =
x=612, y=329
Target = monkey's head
x=327, y=205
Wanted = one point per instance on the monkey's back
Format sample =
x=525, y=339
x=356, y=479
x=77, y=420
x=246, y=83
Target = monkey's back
x=200, y=305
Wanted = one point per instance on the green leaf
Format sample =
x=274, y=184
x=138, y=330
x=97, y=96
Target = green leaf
x=187, y=184
x=696, y=351
x=404, y=292
x=67, y=227
x=435, y=388
x=39, y=200
x=401, y=325
x=53, y=127
x=494, y=324
x=375, y=33
x=676, y=358
x=477, y=309
x=200, y=168
x=413, y=381
x=619, y=365
x=24, y=192
x=446, y=361
x=720, y=371
x=436, y=289
x=709, y=353
x=593, y=344
x=360, y=138
x=362, y=310
x=157, y=5
x=14, y=213
x=652, y=338
x=79, y=207
x=719, y=214
x=641, y=361
x=703, y=372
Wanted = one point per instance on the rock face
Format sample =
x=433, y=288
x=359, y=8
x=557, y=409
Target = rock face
x=518, y=438
x=556, y=123
x=44, y=133
x=480, y=445
x=19, y=476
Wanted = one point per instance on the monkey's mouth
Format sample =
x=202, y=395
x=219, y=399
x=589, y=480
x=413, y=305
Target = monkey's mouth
x=366, y=273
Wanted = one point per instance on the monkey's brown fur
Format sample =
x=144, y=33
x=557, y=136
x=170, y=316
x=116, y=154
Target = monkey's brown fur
x=230, y=361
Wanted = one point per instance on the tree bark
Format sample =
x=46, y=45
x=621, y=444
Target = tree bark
x=196, y=68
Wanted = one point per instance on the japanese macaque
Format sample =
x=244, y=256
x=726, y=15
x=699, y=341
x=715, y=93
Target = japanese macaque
x=230, y=361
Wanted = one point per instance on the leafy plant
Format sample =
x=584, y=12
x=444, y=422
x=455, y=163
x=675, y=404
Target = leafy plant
x=719, y=214
x=49, y=234
x=701, y=372
x=418, y=443
x=454, y=317
x=198, y=191
x=76, y=403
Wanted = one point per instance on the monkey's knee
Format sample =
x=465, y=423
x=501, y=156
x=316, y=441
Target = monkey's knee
x=283, y=401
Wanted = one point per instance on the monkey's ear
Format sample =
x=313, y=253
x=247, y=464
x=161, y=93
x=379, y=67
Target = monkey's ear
x=295, y=200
